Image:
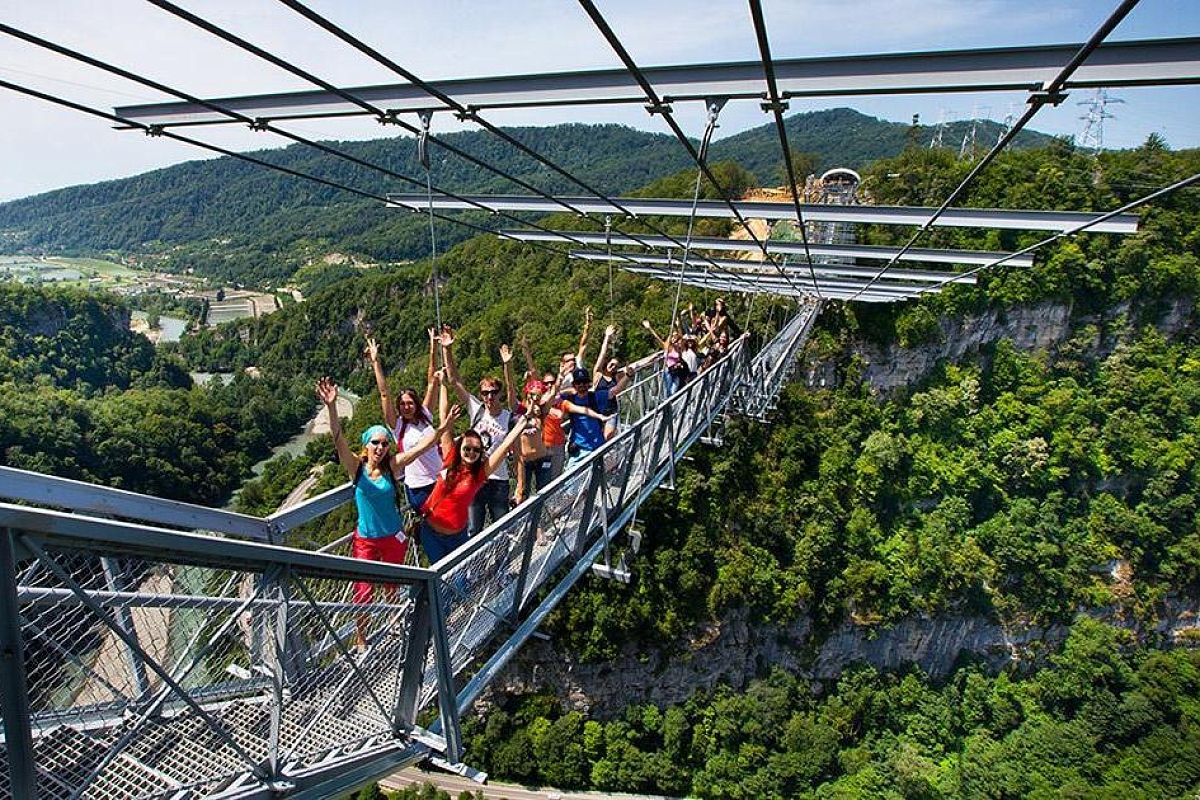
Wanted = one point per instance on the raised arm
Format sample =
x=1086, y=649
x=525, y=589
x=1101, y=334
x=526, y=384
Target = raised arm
x=444, y=412
x=385, y=399
x=452, y=376
x=581, y=353
x=327, y=392
x=427, y=441
x=530, y=365
x=661, y=341
x=609, y=333
x=431, y=370
x=500, y=453
x=506, y=357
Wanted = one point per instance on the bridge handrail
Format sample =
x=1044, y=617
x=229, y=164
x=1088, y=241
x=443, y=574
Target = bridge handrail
x=49, y=490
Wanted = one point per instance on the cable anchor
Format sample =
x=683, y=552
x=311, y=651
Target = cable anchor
x=713, y=105
x=260, y=124
x=390, y=116
x=153, y=130
x=468, y=114
x=779, y=105
x=663, y=108
x=426, y=117
x=1046, y=97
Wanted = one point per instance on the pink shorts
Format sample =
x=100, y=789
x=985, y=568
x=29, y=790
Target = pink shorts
x=388, y=549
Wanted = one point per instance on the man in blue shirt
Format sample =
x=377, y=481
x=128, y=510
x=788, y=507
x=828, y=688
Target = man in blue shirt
x=587, y=421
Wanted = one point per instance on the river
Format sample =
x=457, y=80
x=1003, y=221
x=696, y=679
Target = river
x=318, y=425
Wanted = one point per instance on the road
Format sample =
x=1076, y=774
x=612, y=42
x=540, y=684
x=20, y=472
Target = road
x=499, y=791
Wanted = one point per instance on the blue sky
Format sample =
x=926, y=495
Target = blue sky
x=47, y=148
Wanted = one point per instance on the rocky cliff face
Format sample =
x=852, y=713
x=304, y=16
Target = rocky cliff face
x=1042, y=326
x=732, y=652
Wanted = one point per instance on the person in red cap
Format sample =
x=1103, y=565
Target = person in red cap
x=535, y=463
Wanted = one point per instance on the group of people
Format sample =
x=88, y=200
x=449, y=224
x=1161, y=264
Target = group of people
x=696, y=344
x=454, y=483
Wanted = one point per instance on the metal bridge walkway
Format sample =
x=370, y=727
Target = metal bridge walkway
x=150, y=648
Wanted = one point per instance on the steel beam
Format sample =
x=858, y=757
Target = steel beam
x=1150, y=62
x=14, y=684
x=111, y=537
x=48, y=490
x=1007, y=219
x=752, y=269
x=925, y=255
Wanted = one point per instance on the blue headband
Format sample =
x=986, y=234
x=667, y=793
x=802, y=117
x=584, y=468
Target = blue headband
x=370, y=432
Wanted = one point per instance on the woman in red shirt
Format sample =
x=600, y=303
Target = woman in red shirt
x=465, y=468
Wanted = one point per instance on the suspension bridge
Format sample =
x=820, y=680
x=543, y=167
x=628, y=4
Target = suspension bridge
x=152, y=648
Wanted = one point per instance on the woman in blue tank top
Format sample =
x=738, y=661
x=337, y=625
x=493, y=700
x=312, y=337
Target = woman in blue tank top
x=379, y=535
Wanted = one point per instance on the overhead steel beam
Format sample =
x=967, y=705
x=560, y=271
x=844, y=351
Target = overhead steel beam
x=775, y=283
x=754, y=268
x=1150, y=62
x=1008, y=219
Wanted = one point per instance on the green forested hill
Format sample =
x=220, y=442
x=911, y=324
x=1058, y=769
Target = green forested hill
x=843, y=137
x=242, y=223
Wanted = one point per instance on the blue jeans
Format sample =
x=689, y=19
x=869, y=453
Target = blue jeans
x=438, y=545
x=417, y=497
x=538, y=473
x=493, y=497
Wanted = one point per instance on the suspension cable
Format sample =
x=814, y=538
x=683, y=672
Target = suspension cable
x=608, y=248
x=709, y=128
x=1052, y=94
x=423, y=157
x=657, y=106
x=393, y=119
x=777, y=107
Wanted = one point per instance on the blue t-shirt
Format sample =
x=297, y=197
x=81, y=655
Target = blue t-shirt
x=587, y=433
x=376, y=501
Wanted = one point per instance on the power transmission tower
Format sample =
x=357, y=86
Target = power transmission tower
x=967, y=148
x=938, y=130
x=1092, y=137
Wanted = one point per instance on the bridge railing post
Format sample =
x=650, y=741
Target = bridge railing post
x=14, y=684
x=413, y=668
x=444, y=669
x=529, y=539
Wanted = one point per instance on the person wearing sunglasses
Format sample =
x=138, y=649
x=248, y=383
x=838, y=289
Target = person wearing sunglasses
x=492, y=421
x=466, y=468
x=375, y=474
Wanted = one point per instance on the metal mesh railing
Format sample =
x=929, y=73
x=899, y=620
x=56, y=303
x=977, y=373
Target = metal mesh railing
x=773, y=365
x=183, y=672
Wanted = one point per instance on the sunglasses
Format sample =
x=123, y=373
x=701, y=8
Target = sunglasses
x=489, y=392
x=379, y=442
x=471, y=449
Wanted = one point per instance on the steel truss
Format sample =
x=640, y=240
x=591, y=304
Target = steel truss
x=147, y=660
